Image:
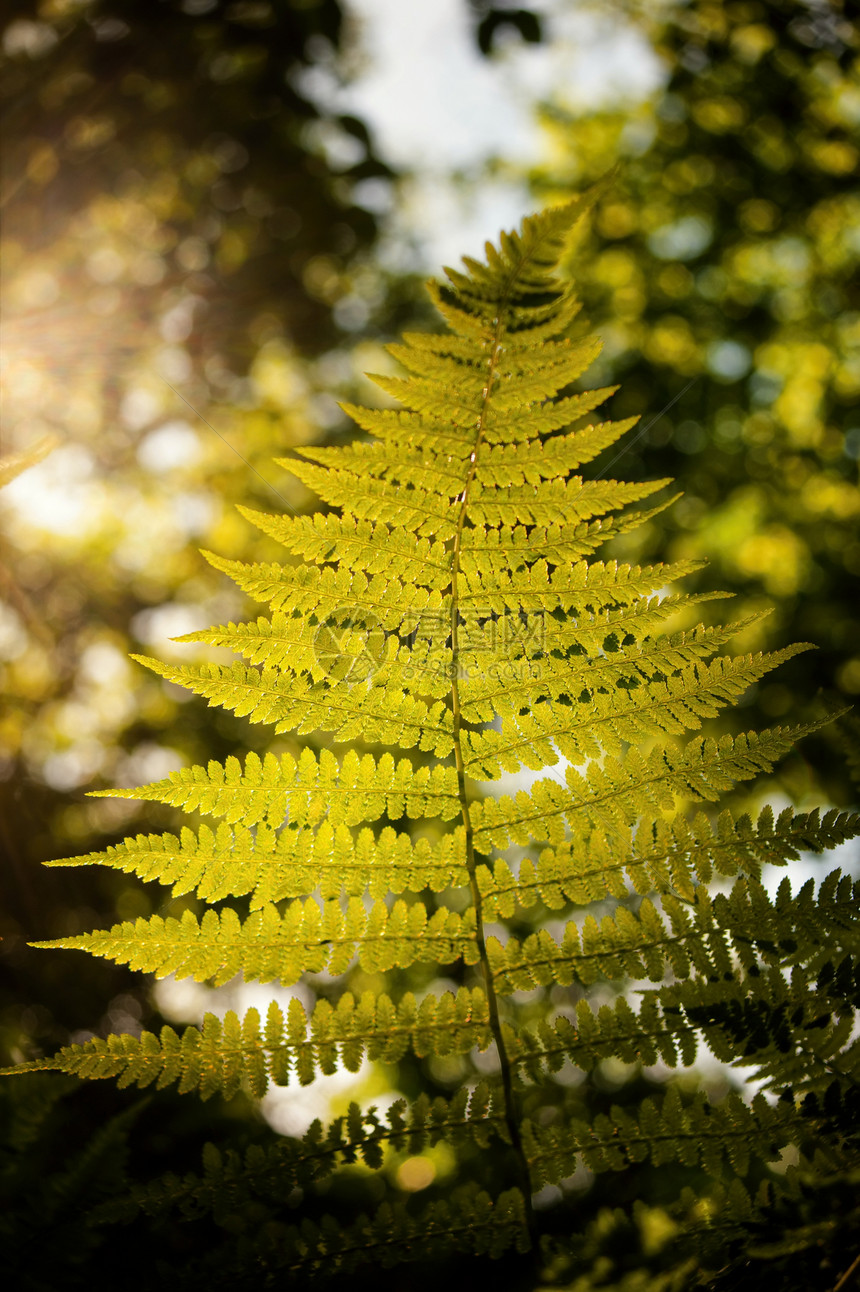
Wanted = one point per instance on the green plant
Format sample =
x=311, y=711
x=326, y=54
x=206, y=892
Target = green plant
x=449, y=605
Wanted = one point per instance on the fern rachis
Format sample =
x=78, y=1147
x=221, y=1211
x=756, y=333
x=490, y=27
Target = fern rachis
x=461, y=544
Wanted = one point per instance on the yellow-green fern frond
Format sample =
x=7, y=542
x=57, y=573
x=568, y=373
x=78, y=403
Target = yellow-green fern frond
x=449, y=616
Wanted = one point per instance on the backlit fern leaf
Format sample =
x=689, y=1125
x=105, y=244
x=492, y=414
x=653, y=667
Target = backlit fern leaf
x=268, y=946
x=660, y=856
x=271, y=864
x=307, y=790
x=225, y=1053
x=449, y=606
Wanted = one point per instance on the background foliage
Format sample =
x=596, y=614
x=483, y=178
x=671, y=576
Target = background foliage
x=725, y=264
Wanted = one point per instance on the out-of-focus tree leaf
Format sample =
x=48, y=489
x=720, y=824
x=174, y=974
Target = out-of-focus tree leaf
x=491, y=20
x=15, y=463
x=725, y=266
x=183, y=250
x=201, y=113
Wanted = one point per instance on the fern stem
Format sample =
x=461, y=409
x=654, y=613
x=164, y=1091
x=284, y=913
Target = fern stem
x=505, y=1065
x=848, y=1276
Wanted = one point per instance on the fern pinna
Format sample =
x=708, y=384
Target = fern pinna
x=448, y=605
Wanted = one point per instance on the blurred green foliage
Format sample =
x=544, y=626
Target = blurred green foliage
x=184, y=250
x=722, y=272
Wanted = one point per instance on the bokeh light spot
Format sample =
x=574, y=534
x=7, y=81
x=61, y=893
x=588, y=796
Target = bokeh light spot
x=416, y=1173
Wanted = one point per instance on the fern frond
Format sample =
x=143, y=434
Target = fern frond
x=470, y=1222
x=224, y=1054
x=698, y=1133
x=346, y=644
x=602, y=720
x=661, y=856
x=646, y=944
x=267, y=946
x=528, y=464
x=270, y=864
x=576, y=588
x=402, y=465
x=797, y=1030
x=306, y=791
x=451, y=605
x=805, y=928
x=533, y=673
x=310, y=591
x=513, y=549
x=540, y=374
x=418, y=510
x=657, y=1031
x=376, y=713
x=622, y=789
x=231, y=1180
x=395, y=424
x=555, y=502
x=687, y=936
x=603, y=631
x=375, y=549
x=282, y=642
x=12, y=465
